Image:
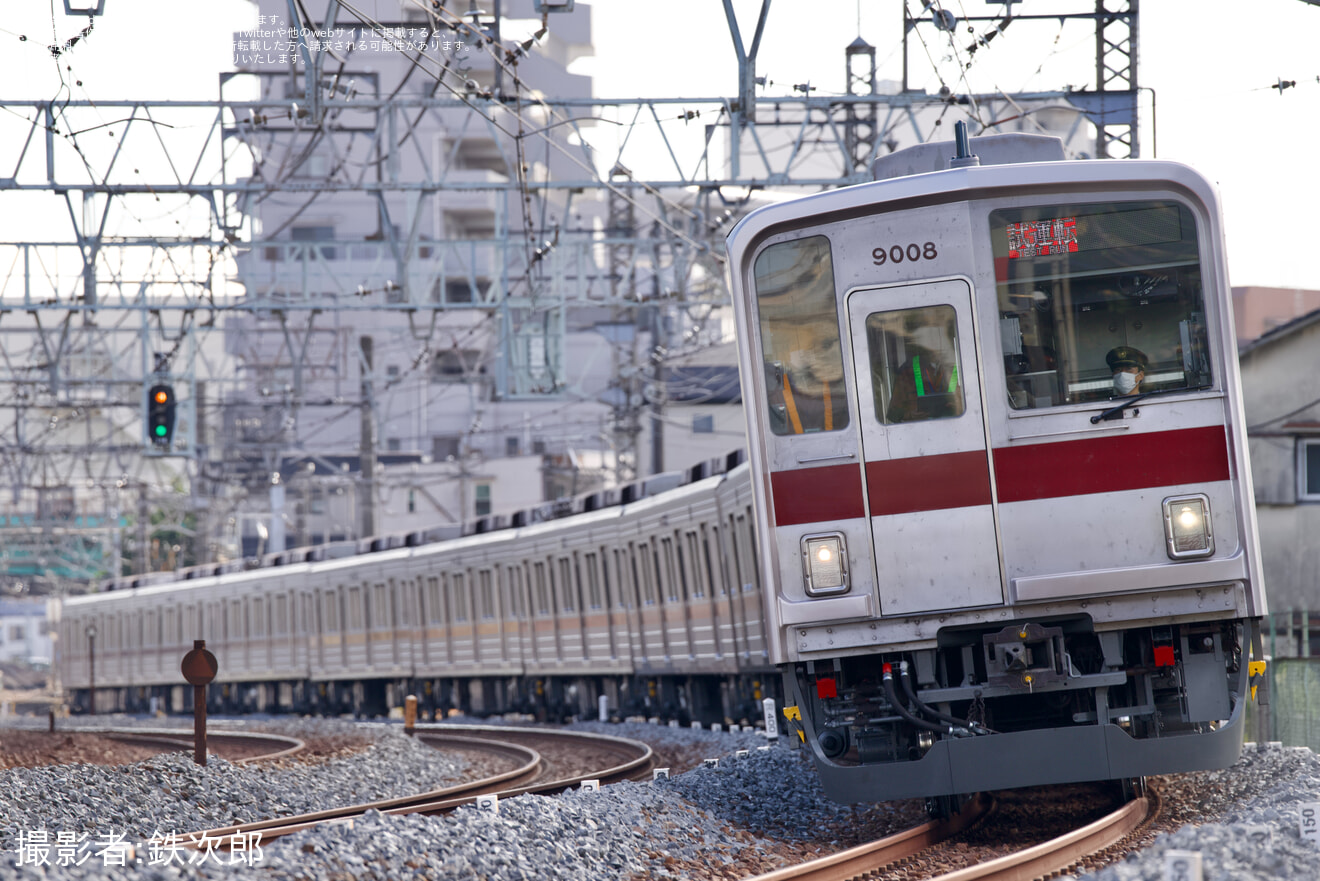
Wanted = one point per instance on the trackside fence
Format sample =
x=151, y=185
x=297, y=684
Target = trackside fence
x=1292, y=716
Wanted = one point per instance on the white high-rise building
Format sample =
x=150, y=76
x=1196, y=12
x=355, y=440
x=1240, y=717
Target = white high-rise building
x=410, y=232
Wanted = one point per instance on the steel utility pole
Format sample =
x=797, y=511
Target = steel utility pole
x=367, y=451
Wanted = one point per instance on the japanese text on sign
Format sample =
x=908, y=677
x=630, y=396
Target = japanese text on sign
x=1042, y=238
x=274, y=41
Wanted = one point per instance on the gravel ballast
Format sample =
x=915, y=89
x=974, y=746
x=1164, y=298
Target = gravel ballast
x=745, y=815
x=1248, y=829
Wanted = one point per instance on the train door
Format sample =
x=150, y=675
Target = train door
x=927, y=475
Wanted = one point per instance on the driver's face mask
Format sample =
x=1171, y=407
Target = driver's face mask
x=1124, y=382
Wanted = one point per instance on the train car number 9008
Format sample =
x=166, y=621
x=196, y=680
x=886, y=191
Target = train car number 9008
x=898, y=253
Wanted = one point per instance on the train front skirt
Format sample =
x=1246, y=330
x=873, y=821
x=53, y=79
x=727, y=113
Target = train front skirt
x=1028, y=758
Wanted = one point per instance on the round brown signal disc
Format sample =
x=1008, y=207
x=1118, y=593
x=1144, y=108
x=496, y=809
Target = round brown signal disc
x=199, y=667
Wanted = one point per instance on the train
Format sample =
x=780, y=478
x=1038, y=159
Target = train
x=993, y=528
x=999, y=467
x=646, y=597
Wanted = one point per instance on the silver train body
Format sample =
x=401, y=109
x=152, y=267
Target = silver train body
x=647, y=598
x=987, y=564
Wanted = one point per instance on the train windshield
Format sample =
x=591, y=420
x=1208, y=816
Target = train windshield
x=1099, y=301
x=800, y=341
x=914, y=364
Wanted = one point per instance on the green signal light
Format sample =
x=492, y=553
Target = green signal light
x=160, y=431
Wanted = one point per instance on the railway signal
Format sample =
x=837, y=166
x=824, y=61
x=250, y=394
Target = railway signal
x=160, y=415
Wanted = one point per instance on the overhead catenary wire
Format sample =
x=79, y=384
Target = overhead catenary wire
x=568, y=155
x=495, y=115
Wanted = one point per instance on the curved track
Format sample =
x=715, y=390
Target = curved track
x=867, y=858
x=533, y=774
x=264, y=747
x=1037, y=862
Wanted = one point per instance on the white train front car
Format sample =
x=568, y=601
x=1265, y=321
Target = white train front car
x=991, y=560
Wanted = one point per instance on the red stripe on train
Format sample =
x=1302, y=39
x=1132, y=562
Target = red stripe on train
x=928, y=483
x=1032, y=471
x=813, y=495
x=1111, y=464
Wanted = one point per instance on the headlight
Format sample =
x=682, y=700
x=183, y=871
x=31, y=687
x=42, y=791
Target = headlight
x=1187, y=527
x=825, y=563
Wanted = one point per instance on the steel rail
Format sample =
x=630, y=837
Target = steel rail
x=178, y=739
x=871, y=857
x=637, y=758
x=519, y=781
x=1059, y=853
x=462, y=793
x=1032, y=863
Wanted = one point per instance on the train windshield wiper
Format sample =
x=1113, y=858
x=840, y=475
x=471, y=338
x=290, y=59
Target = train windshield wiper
x=1116, y=412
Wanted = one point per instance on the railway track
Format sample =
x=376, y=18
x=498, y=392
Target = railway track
x=240, y=748
x=533, y=773
x=901, y=855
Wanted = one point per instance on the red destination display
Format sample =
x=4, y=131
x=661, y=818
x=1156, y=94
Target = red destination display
x=1042, y=238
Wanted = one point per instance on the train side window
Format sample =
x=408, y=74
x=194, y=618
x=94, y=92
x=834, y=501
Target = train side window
x=1089, y=291
x=435, y=610
x=800, y=342
x=567, y=585
x=716, y=574
x=515, y=582
x=356, y=612
x=735, y=552
x=625, y=592
x=460, y=597
x=593, y=581
x=332, y=612
x=915, y=371
x=607, y=593
x=486, y=593
x=665, y=552
x=644, y=574
x=637, y=566
x=542, y=593
x=693, y=560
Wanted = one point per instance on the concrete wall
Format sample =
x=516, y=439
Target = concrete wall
x=1281, y=389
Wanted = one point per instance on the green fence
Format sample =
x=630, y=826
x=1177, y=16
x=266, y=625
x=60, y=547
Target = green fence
x=1292, y=642
x=1294, y=704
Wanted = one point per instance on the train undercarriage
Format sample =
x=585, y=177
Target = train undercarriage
x=704, y=699
x=1042, y=702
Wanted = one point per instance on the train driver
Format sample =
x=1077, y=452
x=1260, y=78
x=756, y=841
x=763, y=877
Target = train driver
x=926, y=387
x=1128, y=365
